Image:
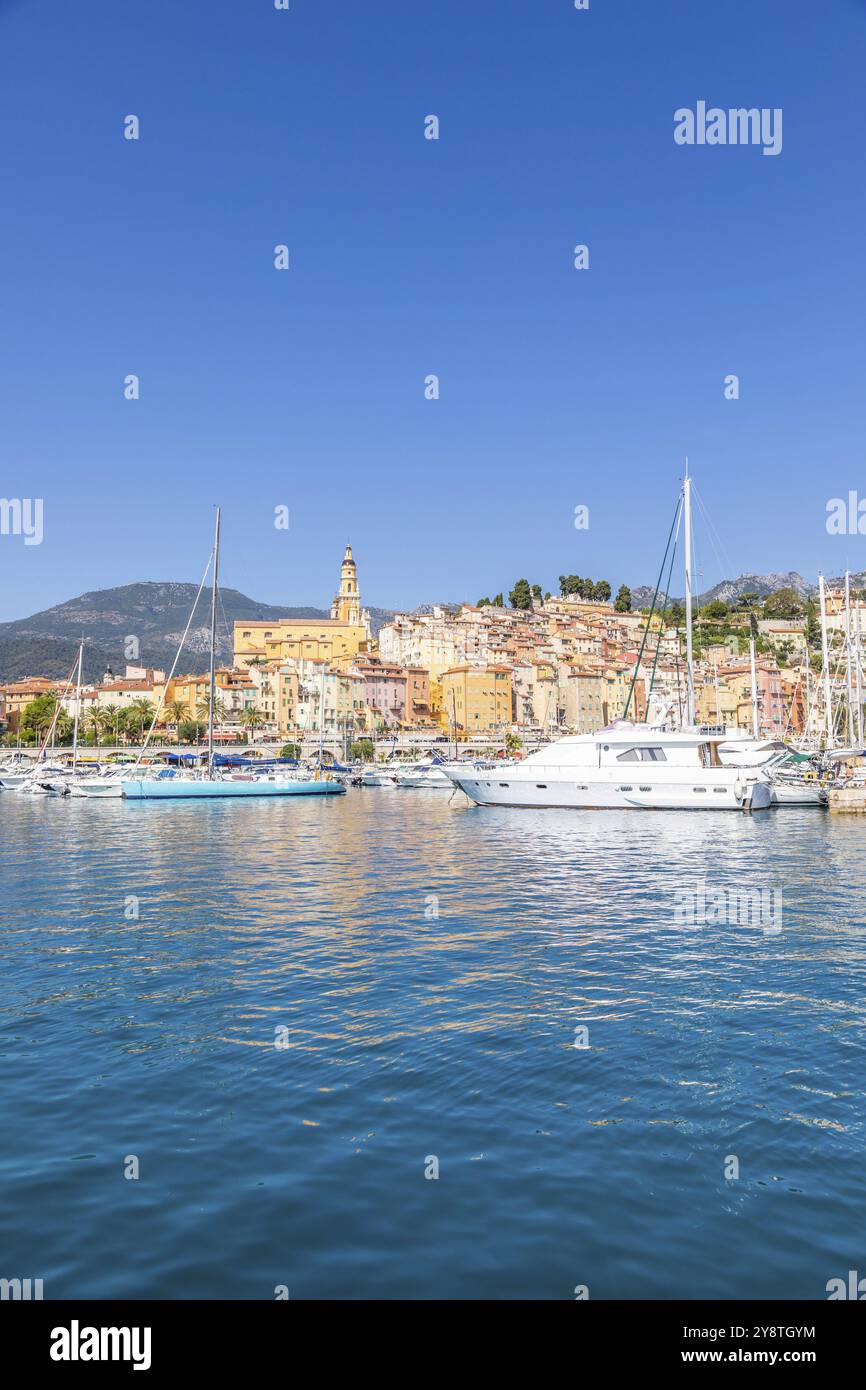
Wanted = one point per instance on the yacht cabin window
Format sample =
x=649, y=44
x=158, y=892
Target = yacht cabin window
x=645, y=755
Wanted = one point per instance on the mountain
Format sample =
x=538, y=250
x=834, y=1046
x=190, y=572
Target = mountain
x=731, y=590
x=46, y=644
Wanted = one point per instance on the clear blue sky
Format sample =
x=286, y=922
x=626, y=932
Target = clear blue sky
x=411, y=257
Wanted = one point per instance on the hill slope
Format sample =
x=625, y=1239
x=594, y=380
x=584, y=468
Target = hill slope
x=731, y=590
x=156, y=614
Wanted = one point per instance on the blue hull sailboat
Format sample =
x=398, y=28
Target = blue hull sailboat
x=152, y=789
x=211, y=782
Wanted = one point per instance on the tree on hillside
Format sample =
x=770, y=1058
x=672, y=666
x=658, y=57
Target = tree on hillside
x=601, y=591
x=747, y=600
x=521, y=595
x=715, y=609
x=536, y=593
x=784, y=603
x=813, y=627
x=498, y=601
x=622, y=603
x=483, y=603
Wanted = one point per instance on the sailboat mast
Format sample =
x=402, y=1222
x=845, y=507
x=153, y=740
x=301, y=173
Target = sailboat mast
x=858, y=677
x=213, y=599
x=825, y=660
x=454, y=721
x=77, y=708
x=755, y=733
x=687, y=538
x=322, y=719
x=848, y=657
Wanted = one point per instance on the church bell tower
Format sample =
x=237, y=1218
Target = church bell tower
x=346, y=607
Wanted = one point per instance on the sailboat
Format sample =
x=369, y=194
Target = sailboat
x=627, y=764
x=172, y=784
x=44, y=777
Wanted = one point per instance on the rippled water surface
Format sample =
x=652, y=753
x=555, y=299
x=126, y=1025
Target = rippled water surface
x=411, y=1036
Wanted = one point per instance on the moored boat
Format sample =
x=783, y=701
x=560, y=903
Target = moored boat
x=430, y=774
x=181, y=786
x=628, y=766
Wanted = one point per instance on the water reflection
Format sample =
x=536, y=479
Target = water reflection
x=429, y=963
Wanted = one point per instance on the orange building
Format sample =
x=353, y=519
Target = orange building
x=476, y=700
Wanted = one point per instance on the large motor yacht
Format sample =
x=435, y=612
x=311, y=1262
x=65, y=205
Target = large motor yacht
x=625, y=765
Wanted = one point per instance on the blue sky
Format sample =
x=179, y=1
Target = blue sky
x=304, y=388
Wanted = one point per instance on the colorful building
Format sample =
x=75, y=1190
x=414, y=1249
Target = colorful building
x=19, y=694
x=343, y=635
x=476, y=700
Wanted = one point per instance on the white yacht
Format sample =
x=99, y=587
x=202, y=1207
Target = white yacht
x=45, y=779
x=101, y=784
x=625, y=765
x=13, y=771
x=381, y=775
x=429, y=774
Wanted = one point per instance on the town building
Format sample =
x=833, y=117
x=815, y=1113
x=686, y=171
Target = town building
x=476, y=700
x=346, y=633
x=18, y=695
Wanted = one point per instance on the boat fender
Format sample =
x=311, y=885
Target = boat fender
x=739, y=789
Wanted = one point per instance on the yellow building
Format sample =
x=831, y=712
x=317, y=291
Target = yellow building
x=715, y=703
x=476, y=700
x=19, y=694
x=189, y=691
x=343, y=635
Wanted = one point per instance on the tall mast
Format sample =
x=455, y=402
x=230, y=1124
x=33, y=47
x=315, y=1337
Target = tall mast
x=858, y=673
x=848, y=657
x=454, y=720
x=213, y=598
x=322, y=719
x=687, y=538
x=755, y=732
x=825, y=660
x=77, y=708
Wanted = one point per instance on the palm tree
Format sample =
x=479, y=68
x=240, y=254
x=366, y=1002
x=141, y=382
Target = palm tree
x=253, y=719
x=202, y=709
x=175, y=713
x=96, y=723
x=139, y=715
x=113, y=722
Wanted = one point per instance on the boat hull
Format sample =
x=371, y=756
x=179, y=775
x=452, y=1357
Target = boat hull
x=442, y=783
x=97, y=788
x=721, y=794
x=798, y=794
x=176, y=789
